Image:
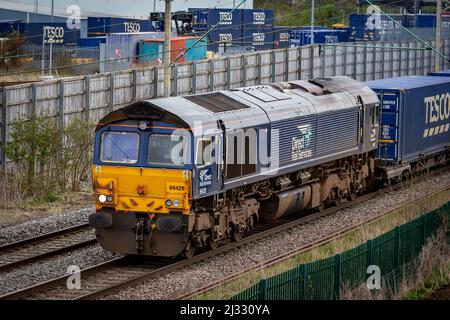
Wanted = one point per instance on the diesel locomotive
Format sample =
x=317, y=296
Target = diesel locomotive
x=174, y=174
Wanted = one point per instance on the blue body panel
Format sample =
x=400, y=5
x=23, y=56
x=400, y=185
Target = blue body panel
x=415, y=119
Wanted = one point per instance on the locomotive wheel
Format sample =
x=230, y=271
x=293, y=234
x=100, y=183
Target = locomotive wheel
x=189, y=251
x=212, y=244
x=236, y=235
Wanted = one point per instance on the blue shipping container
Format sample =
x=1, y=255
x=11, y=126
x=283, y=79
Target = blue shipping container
x=224, y=38
x=92, y=41
x=303, y=37
x=253, y=18
x=55, y=33
x=204, y=19
x=373, y=27
x=198, y=52
x=258, y=38
x=103, y=25
x=415, y=116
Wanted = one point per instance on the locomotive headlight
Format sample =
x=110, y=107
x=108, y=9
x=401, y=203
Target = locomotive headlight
x=102, y=198
x=109, y=198
x=176, y=203
x=143, y=125
x=168, y=202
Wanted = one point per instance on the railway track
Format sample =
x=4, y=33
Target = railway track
x=109, y=277
x=23, y=252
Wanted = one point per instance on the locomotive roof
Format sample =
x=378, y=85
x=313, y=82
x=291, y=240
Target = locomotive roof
x=249, y=106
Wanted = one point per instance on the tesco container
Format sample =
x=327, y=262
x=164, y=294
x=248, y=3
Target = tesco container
x=258, y=38
x=98, y=26
x=204, y=19
x=415, y=116
x=253, y=18
x=222, y=39
x=55, y=32
x=374, y=27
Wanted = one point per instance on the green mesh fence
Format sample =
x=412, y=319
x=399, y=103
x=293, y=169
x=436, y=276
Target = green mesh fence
x=393, y=252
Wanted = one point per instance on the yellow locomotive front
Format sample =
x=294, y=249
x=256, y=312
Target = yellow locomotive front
x=142, y=182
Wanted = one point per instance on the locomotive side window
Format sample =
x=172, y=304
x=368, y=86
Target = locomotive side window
x=375, y=115
x=119, y=147
x=167, y=149
x=204, y=149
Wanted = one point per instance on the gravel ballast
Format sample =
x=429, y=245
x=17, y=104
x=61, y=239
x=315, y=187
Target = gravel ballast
x=200, y=274
x=192, y=278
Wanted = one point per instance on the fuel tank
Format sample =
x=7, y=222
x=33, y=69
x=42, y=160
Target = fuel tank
x=286, y=202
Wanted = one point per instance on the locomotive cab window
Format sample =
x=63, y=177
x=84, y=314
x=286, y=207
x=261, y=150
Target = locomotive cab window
x=204, y=152
x=375, y=112
x=168, y=149
x=119, y=147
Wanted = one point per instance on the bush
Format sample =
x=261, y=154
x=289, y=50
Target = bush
x=43, y=167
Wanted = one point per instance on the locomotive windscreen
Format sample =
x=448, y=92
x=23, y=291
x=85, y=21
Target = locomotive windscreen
x=216, y=102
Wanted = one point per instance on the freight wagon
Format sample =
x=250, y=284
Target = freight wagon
x=52, y=32
x=415, y=123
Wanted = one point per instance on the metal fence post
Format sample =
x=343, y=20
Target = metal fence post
x=397, y=246
x=33, y=101
x=374, y=62
x=228, y=66
x=87, y=96
x=244, y=70
x=407, y=59
x=262, y=289
x=134, y=86
x=345, y=61
x=155, y=81
x=311, y=62
x=355, y=60
x=424, y=226
x=415, y=58
x=323, y=50
x=175, y=80
x=334, y=60
x=4, y=124
x=302, y=282
x=111, y=92
x=211, y=75
x=259, y=66
x=337, y=275
x=273, y=65
x=286, y=69
x=369, y=247
x=61, y=115
x=194, y=77
x=423, y=61
x=365, y=62
x=299, y=63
